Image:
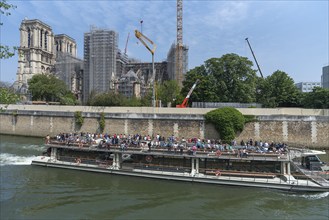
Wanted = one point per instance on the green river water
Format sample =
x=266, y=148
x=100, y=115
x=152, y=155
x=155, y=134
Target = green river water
x=31, y=192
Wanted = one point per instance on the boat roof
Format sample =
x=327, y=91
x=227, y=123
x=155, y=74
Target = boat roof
x=313, y=152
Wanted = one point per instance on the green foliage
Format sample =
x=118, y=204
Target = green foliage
x=278, y=90
x=102, y=122
x=112, y=99
x=147, y=99
x=5, y=51
x=226, y=79
x=69, y=99
x=249, y=118
x=78, y=118
x=205, y=91
x=318, y=98
x=8, y=97
x=228, y=121
x=49, y=88
x=108, y=99
x=168, y=91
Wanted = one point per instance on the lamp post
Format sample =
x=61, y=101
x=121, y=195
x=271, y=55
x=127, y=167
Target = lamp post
x=153, y=79
x=142, y=37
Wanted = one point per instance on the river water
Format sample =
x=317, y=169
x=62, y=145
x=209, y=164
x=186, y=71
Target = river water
x=32, y=192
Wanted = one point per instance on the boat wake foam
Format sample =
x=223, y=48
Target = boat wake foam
x=313, y=196
x=35, y=147
x=11, y=159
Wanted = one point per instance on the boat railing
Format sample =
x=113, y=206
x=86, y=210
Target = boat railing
x=205, y=153
x=205, y=173
x=77, y=160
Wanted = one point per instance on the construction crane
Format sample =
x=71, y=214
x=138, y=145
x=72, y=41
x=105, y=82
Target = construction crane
x=142, y=38
x=184, y=103
x=127, y=44
x=255, y=58
x=179, y=46
x=148, y=43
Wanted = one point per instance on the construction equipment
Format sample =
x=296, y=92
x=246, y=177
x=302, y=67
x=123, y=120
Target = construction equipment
x=255, y=58
x=184, y=103
x=179, y=45
x=142, y=38
x=127, y=44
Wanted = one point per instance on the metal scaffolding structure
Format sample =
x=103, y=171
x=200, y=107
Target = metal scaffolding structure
x=70, y=69
x=172, y=62
x=100, y=52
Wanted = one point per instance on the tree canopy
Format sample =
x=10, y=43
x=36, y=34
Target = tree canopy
x=229, y=78
x=113, y=99
x=49, y=88
x=168, y=91
x=7, y=96
x=318, y=98
x=5, y=51
x=278, y=90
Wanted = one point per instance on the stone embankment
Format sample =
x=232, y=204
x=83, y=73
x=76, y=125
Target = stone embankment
x=303, y=127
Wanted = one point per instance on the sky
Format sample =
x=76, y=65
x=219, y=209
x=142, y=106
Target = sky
x=291, y=36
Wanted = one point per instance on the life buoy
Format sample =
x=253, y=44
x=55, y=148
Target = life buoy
x=149, y=159
x=218, y=153
x=126, y=156
x=218, y=173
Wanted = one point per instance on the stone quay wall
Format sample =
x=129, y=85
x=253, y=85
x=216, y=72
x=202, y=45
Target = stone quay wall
x=295, y=126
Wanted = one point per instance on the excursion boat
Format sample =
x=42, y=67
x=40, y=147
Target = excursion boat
x=292, y=170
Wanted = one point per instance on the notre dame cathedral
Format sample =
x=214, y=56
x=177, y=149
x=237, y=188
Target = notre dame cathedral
x=42, y=52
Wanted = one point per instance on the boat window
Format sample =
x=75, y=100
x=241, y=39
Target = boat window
x=312, y=158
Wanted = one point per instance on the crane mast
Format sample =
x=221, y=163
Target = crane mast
x=179, y=46
x=255, y=58
x=127, y=44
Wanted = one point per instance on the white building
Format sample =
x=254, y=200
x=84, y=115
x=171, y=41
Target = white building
x=307, y=86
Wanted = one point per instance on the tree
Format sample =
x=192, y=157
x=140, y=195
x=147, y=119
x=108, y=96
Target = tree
x=49, y=88
x=5, y=51
x=278, y=90
x=168, y=91
x=229, y=78
x=235, y=78
x=205, y=90
x=318, y=98
x=112, y=99
x=8, y=97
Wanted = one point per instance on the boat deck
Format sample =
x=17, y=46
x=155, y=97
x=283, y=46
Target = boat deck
x=232, y=155
x=314, y=175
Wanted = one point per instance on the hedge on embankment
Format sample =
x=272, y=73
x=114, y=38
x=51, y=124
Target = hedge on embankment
x=228, y=122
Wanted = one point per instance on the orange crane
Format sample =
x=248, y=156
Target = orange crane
x=184, y=103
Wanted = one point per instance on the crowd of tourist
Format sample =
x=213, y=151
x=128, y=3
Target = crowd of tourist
x=171, y=143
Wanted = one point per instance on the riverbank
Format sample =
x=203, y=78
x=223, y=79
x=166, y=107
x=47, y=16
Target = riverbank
x=293, y=126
